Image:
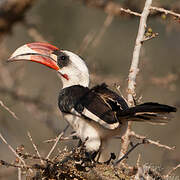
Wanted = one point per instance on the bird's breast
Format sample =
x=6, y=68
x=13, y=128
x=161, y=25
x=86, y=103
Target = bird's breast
x=85, y=131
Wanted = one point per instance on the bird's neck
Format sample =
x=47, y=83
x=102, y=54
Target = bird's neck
x=82, y=80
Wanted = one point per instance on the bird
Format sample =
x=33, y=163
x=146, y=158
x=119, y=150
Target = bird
x=96, y=114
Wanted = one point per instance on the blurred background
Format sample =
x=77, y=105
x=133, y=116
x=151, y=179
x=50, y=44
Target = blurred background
x=106, y=43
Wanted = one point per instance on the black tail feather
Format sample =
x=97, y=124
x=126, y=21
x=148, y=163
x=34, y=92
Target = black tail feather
x=150, y=111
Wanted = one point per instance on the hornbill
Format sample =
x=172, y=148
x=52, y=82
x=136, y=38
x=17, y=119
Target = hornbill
x=97, y=114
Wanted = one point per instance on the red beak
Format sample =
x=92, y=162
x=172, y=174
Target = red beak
x=38, y=52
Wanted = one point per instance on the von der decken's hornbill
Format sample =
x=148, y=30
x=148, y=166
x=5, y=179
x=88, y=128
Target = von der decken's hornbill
x=96, y=114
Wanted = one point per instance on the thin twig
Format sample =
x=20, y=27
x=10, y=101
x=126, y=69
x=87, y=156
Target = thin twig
x=128, y=11
x=7, y=109
x=146, y=38
x=35, y=147
x=4, y=163
x=136, y=53
x=57, y=140
x=71, y=137
x=165, y=11
x=132, y=133
x=10, y=147
x=172, y=170
x=134, y=70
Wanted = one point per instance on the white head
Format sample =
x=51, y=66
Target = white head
x=70, y=66
x=74, y=72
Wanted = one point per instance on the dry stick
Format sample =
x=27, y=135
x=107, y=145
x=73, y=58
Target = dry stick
x=150, y=37
x=132, y=133
x=35, y=147
x=171, y=171
x=10, y=147
x=57, y=140
x=134, y=70
x=62, y=138
x=128, y=11
x=7, y=109
x=165, y=11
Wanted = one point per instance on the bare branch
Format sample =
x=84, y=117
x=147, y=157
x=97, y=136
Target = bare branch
x=136, y=53
x=132, y=133
x=172, y=170
x=57, y=140
x=14, y=152
x=35, y=147
x=128, y=11
x=165, y=11
x=4, y=163
x=7, y=109
x=134, y=71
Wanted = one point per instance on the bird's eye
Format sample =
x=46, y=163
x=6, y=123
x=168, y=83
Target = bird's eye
x=63, y=57
x=63, y=60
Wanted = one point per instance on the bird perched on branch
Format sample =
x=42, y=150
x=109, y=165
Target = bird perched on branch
x=97, y=114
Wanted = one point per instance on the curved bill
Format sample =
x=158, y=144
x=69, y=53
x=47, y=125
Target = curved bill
x=37, y=52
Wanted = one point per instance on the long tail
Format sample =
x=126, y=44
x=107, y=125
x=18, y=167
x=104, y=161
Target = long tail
x=150, y=112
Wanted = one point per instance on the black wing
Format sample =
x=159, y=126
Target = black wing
x=100, y=102
x=108, y=108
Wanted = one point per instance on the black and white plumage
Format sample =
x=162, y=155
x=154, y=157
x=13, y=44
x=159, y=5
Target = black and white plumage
x=97, y=114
